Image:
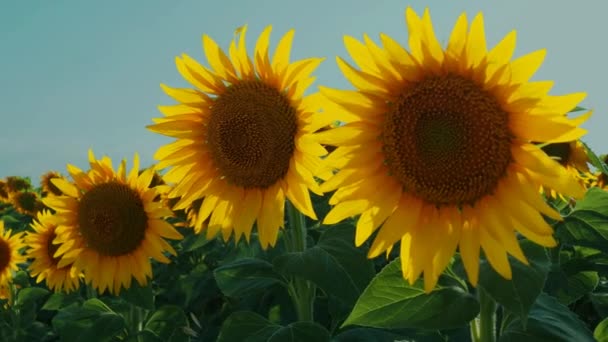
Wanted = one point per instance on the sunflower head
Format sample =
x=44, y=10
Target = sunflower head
x=42, y=249
x=111, y=223
x=3, y=191
x=15, y=184
x=245, y=137
x=48, y=188
x=10, y=255
x=26, y=202
x=573, y=156
x=436, y=150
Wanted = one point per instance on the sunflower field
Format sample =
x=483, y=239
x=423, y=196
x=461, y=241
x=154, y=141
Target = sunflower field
x=446, y=197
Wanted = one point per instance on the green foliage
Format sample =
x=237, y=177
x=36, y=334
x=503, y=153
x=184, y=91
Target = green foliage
x=235, y=291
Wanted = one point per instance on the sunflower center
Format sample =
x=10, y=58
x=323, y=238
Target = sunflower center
x=559, y=151
x=447, y=140
x=26, y=201
x=112, y=219
x=5, y=255
x=251, y=136
x=52, y=248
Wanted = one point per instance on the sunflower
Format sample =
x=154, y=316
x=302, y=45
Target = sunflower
x=436, y=148
x=26, y=202
x=9, y=254
x=573, y=156
x=3, y=192
x=245, y=137
x=15, y=184
x=48, y=188
x=108, y=224
x=602, y=179
x=42, y=250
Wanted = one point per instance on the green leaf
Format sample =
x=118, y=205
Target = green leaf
x=139, y=296
x=168, y=322
x=587, y=224
x=569, y=288
x=93, y=321
x=241, y=277
x=379, y=335
x=194, y=241
x=518, y=294
x=601, y=331
x=595, y=160
x=30, y=295
x=300, y=332
x=246, y=326
x=60, y=300
x=390, y=302
x=548, y=321
x=577, y=109
x=334, y=264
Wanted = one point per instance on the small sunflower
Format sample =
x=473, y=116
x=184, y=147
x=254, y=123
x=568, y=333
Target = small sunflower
x=436, y=151
x=602, y=179
x=3, y=192
x=573, y=156
x=26, y=202
x=15, y=184
x=245, y=138
x=42, y=250
x=48, y=188
x=10, y=255
x=109, y=225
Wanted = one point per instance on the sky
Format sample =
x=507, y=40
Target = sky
x=80, y=74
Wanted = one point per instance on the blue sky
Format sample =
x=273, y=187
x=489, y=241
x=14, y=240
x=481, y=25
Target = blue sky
x=82, y=74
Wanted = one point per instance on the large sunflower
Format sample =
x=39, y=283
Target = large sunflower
x=245, y=139
x=10, y=255
x=573, y=156
x=42, y=250
x=437, y=151
x=108, y=224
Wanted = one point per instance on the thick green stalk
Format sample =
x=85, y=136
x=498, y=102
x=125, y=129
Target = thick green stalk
x=486, y=319
x=302, y=292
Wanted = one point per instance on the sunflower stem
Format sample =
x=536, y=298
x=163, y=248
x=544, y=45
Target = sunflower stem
x=302, y=292
x=487, y=317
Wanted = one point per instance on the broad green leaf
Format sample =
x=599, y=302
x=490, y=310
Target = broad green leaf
x=194, y=241
x=601, y=331
x=243, y=276
x=59, y=300
x=334, y=264
x=139, y=296
x=168, y=322
x=93, y=321
x=380, y=335
x=587, y=225
x=246, y=326
x=569, y=288
x=300, y=332
x=518, y=294
x=595, y=160
x=30, y=295
x=390, y=302
x=548, y=321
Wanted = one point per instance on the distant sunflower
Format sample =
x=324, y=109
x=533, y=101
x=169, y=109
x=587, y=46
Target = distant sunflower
x=574, y=158
x=9, y=254
x=245, y=137
x=15, y=184
x=437, y=151
x=109, y=224
x=42, y=250
x=26, y=202
x=48, y=188
x=3, y=192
